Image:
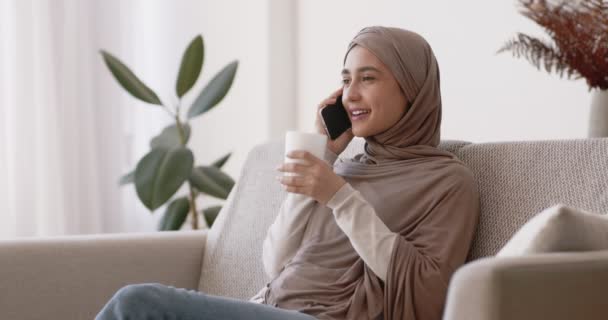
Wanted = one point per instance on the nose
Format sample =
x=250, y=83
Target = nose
x=351, y=93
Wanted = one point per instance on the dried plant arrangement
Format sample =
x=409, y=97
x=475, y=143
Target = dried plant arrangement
x=579, y=34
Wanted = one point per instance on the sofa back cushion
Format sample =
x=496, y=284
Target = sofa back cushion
x=515, y=181
x=232, y=264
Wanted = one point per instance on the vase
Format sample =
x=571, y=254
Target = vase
x=598, y=117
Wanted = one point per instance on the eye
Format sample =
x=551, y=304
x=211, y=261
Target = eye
x=345, y=81
x=368, y=78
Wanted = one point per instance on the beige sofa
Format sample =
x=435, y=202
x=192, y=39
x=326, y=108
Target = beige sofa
x=72, y=277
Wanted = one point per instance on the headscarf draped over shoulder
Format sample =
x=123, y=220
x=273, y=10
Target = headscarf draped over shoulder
x=421, y=192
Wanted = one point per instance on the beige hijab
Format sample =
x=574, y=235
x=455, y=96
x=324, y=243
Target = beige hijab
x=422, y=193
x=415, y=68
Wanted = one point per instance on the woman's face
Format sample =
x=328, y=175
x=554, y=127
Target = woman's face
x=369, y=86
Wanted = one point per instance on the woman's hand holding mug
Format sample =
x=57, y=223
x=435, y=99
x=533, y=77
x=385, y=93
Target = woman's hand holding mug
x=313, y=177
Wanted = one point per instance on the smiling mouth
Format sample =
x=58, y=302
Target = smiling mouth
x=359, y=114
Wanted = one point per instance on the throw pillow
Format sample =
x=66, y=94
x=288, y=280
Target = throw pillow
x=559, y=228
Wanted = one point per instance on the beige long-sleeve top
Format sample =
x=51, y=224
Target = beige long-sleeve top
x=369, y=236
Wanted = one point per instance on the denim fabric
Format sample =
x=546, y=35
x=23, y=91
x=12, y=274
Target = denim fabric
x=156, y=301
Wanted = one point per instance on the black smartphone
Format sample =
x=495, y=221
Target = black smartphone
x=335, y=119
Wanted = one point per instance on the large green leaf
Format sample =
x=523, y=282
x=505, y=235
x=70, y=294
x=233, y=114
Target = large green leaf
x=210, y=214
x=175, y=215
x=160, y=173
x=205, y=184
x=192, y=62
x=221, y=178
x=210, y=180
x=169, y=137
x=127, y=178
x=129, y=80
x=215, y=91
x=219, y=163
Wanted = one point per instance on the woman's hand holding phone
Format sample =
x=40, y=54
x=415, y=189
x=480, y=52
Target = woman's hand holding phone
x=316, y=178
x=339, y=145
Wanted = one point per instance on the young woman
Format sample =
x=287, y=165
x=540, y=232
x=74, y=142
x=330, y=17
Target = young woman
x=377, y=236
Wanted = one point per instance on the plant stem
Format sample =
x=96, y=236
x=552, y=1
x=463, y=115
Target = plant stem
x=168, y=111
x=193, y=208
x=180, y=129
x=191, y=198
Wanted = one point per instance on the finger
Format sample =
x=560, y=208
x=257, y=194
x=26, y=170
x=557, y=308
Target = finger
x=292, y=181
x=337, y=93
x=300, y=161
x=302, y=154
x=326, y=102
x=331, y=99
x=294, y=167
x=296, y=190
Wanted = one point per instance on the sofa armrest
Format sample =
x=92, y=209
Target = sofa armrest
x=557, y=286
x=72, y=277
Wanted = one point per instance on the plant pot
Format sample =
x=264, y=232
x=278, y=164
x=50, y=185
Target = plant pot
x=598, y=117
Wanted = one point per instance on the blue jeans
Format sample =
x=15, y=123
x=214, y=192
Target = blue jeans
x=156, y=301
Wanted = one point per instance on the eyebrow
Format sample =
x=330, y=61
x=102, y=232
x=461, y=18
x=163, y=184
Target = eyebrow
x=362, y=69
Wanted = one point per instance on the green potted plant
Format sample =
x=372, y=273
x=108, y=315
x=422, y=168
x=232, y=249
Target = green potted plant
x=579, y=47
x=170, y=163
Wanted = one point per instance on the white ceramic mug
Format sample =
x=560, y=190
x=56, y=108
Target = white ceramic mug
x=314, y=143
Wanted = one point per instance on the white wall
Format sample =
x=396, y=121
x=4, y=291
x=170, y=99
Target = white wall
x=291, y=53
x=486, y=97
